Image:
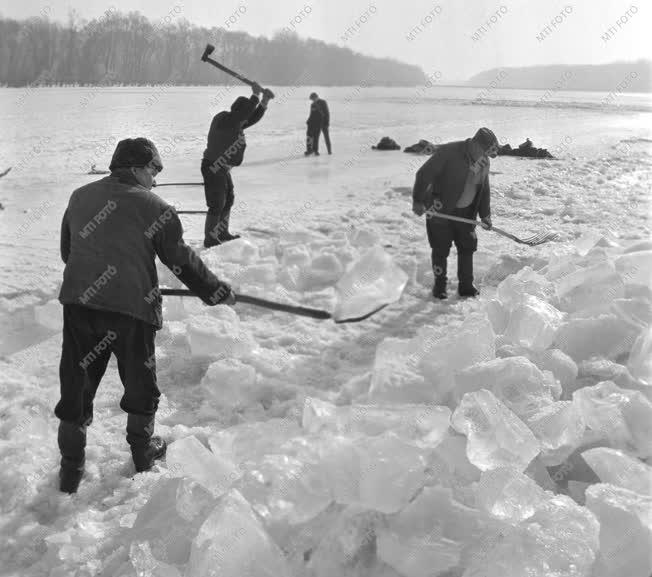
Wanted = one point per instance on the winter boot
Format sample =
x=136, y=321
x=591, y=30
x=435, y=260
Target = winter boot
x=145, y=448
x=72, y=445
x=465, y=286
x=439, y=269
x=211, y=230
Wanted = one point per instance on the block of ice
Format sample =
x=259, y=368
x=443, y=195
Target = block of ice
x=233, y=543
x=252, y=441
x=635, y=268
x=508, y=494
x=325, y=270
x=559, y=427
x=381, y=473
x=640, y=357
x=620, y=417
x=560, y=539
x=146, y=565
x=50, y=315
x=240, y=251
x=396, y=379
x=364, y=237
x=260, y=274
x=498, y=315
x=218, y=337
x=563, y=368
x=430, y=534
x=189, y=458
x=516, y=381
x=533, y=323
x=524, y=282
x=448, y=465
x=428, y=423
x=594, y=371
x=617, y=468
x=171, y=518
x=606, y=335
x=348, y=547
x=589, y=288
x=231, y=384
x=496, y=437
x=625, y=531
x=587, y=241
x=373, y=281
x=284, y=489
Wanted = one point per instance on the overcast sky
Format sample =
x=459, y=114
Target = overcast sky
x=444, y=45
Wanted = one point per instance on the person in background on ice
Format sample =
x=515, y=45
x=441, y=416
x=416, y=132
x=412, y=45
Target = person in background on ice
x=111, y=233
x=318, y=121
x=225, y=149
x=455, y=181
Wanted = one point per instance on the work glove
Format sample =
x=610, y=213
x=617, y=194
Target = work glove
x=267, y=94
x=229, y=300
x=418, y=208
x=486, y=222
x=256, y=88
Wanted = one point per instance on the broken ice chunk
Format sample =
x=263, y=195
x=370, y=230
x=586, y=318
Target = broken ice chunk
x=282, y=488
x=240, y=250
x=635, y=268
x=559, y=427
x=233, y=543
x=431, y=532
x=171, y=518
x=589, y=288
x=560, y=365
x=533, y=323
x=188, y=457
x=496, y=436
x=625, y=531
x=231, y=384
x=620, y=417
x=218, y=337
x=146, y=565
x=617, y=468
x=508, y=494
x=516, y=381
x=372, y=282
x=640, y=357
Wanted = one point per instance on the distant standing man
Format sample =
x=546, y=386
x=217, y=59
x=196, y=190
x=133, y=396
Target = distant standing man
x=112, y=231
x=455, y=181
x=225, y=149
x=318, y=121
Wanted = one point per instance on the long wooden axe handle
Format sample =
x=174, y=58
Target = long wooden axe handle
x=295, y=310
x=206, y=58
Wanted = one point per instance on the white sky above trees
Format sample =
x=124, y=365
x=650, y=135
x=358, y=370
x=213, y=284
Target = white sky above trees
x=445, y=43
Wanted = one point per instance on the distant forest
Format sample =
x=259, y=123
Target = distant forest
x=128, y=49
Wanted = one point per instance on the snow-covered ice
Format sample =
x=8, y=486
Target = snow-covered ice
x=504, y=435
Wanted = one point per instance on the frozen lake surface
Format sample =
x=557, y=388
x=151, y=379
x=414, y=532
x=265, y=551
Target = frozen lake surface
x=292, y=416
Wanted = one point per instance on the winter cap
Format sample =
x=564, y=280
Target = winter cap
x=313, y=95
x=486, y=138
x=136, y=152
x=240, y=104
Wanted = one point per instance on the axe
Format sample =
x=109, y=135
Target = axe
x=206, y=58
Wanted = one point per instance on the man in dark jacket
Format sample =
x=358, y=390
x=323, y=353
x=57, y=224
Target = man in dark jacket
x=318, y=121
x=225, y=149
x=111, y=233
x=455, y=181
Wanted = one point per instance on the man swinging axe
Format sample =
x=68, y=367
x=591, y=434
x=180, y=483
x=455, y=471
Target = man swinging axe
x=455, y=181
x=224, y=150
x=112, y=231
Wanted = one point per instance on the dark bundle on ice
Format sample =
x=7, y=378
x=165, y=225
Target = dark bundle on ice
x=524, y=149
x=421, y=147
x=5, y=172
x=95, y=170
x=387, y=143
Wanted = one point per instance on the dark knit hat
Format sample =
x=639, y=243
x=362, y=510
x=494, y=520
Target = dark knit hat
x=485, y=138
x=240, y=104
x=313, y=95
x=136, y=152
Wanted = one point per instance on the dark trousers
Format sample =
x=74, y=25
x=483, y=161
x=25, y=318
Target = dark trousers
x=218, y=189
x=312, y=138
x=442, y=234
x=327, y=138
x=89, y=338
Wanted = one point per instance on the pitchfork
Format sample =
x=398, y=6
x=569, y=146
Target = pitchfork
x=535, y=240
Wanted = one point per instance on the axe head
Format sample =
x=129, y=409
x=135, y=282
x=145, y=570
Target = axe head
x=207, y=52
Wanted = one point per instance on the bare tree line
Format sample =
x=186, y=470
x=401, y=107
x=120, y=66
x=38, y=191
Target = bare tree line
x=128, y=49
